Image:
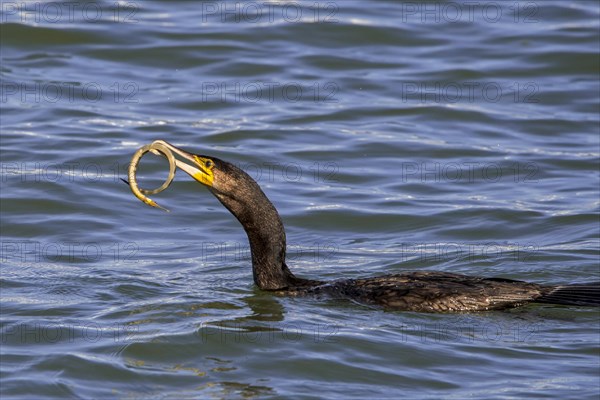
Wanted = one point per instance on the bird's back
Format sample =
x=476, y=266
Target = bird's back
x=433, y=292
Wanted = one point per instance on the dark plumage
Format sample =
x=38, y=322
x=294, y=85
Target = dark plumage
x=447, y=292
x=416, y=291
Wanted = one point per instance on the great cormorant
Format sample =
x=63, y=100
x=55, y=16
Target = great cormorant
x=413, y=291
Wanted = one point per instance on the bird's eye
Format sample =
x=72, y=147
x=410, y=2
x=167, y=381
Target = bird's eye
x=209, y=164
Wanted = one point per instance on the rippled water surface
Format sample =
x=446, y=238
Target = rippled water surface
x=391, y=136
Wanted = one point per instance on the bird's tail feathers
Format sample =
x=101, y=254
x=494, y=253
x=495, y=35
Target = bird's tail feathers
x=586, y=294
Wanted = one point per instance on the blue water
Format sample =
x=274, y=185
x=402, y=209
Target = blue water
x=391, y=136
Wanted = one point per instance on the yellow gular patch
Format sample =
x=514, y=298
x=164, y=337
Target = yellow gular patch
x=205, y=175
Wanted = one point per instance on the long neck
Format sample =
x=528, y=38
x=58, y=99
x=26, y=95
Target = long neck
x=267, y=245
x=266, y=235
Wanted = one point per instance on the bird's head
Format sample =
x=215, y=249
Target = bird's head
x=230, y=184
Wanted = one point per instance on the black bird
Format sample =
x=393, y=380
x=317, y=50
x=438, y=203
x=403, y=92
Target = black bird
x=413, y=291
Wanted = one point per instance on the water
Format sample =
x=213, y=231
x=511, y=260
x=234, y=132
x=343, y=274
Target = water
x=391, y=136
